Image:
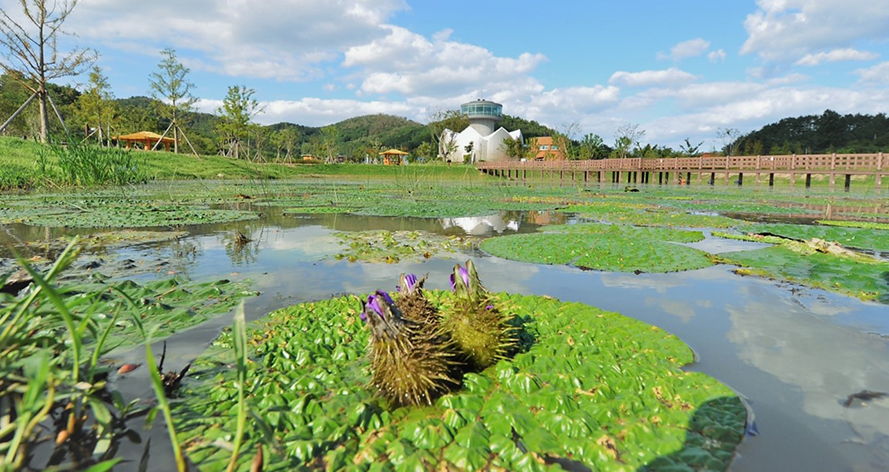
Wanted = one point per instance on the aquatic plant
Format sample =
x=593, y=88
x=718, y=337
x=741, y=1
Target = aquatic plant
x=84, y=165
x=395, y=246
x=410, y=364
x=413, y=303
x=616, y=248
x=595, y=390
x=50, y=376
x=482, y=333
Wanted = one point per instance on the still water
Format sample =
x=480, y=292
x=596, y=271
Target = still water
x=794, y=354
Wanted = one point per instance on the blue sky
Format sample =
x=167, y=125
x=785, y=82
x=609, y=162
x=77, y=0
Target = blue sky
x=678, y=69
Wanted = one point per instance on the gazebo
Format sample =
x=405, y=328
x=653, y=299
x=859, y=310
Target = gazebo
x=148, y=138
x=393, y=157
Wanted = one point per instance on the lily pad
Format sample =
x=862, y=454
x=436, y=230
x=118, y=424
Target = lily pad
x=604, y=247
x=138, y=217
x=394, y=246
x=596, y=389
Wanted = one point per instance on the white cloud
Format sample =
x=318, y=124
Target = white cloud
x=790, y=29
x=318, y=112
x=691, y=48
x=836, y=55
x=407, y=63
x=878, y=73
x=280, y=39
x=716, y=56
x=650, y=78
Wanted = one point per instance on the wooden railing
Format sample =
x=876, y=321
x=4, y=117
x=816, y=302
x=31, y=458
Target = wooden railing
x=819, y=163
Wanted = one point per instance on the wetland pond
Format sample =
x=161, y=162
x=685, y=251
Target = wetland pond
x=793, y=353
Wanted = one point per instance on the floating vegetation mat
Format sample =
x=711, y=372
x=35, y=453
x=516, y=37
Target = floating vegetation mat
x=847, y=273
x=595, y=389
x=394, y=246
x=138, y=217
x=647, y=215
x=862, y=238
x=604, y=247
x=315, y=210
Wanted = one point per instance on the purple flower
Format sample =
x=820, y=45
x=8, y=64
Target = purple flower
x=386, y=297
x=464, y=274
x=489, y=307
x=453, y=283
x=411, y=281
x=373, y=303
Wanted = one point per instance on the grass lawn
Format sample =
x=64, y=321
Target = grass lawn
x=20, y=168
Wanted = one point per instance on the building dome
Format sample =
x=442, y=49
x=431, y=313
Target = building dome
x=483, y=115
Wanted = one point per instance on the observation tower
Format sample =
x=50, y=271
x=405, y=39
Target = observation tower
x=483, y=115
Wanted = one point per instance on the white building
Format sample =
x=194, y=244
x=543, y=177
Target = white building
x=479, y=140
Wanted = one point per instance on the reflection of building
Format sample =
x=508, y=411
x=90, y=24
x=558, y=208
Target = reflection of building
x=481, y=225
x=479, y=141
x=546, y=150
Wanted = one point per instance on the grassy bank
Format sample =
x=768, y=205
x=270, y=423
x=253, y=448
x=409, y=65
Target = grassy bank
x=21, y=168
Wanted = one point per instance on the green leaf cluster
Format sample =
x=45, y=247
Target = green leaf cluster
x=595, y=389
x=604, y=247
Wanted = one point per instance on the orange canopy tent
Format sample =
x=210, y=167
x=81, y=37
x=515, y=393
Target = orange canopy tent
x=393, y=157
x=148, y=138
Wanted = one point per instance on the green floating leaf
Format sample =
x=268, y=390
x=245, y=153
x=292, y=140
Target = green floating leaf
x=614, y=398
x=604, y=247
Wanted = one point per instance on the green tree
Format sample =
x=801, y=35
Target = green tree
x=170, y=86
x=330, y=137
x=425, y=150
x=591, y=147
x=96, y=105
x=32, y=56
x=514, y=148
x=689, y=149
x=236, y=113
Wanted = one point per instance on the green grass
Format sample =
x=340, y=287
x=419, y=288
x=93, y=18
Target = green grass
x=19, y=168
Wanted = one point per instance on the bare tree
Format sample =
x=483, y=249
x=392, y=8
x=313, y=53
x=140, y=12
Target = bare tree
x=170, y=83
x=32, y=56
x=729, y=138
x=625, y=138
x=441, y=120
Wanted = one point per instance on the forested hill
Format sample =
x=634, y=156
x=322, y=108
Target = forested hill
x=819, y=134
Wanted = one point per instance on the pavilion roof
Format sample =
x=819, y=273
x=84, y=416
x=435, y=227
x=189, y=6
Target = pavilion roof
x=394, y=152
x=144, y=135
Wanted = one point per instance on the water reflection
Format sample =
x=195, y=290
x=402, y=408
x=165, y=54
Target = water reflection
x=794, y=354
x=481, y=225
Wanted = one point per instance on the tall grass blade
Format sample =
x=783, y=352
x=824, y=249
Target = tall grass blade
x=158, y=385
x=239, y=333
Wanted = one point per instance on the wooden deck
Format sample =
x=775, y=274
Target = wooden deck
x=705, y=169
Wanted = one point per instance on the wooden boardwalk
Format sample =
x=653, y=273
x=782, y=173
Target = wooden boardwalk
x=705, y=169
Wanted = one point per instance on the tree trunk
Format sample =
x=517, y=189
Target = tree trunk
x=175, y=137
x=44, y=116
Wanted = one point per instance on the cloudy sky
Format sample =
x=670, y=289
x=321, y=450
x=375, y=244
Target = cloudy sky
x=677, y=68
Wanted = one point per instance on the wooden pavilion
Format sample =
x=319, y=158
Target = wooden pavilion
x=393, y=157
x=147, y=138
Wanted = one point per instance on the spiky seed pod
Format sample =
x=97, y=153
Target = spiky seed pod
x=483, y=334
x=410, y=365
x=413, y=303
